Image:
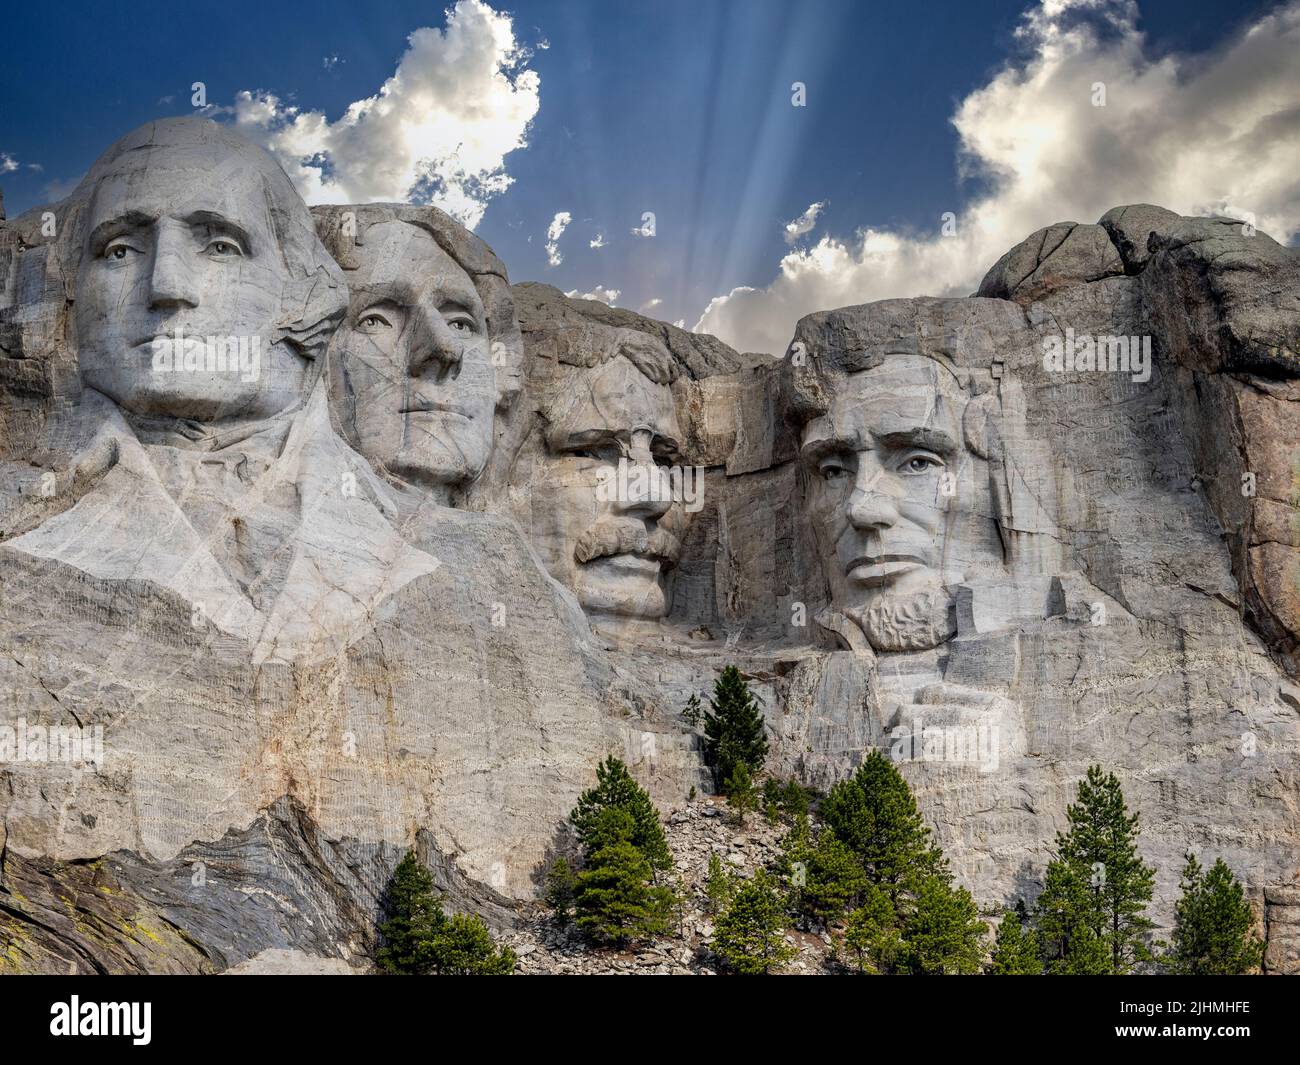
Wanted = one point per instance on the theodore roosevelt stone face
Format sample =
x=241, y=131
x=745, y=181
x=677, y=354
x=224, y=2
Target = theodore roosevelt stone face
x=604, y=515
x=899, y=504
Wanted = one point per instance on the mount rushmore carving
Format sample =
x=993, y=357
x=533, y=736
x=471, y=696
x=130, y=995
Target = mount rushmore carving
x=339, y=543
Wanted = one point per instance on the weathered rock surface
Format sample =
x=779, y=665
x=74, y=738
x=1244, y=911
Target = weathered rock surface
x=310, y=619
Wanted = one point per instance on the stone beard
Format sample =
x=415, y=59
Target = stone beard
x=916, y=622
x=900, y=505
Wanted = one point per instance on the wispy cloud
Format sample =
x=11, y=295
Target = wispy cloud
x=553, y=234
x=1215, y=134
x=804, y=223
x=600, y=292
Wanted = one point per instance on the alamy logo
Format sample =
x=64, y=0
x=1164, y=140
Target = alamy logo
x=636, y=482
x=69, y=744
x=213, y=354
x=103, y=1018
x=959, y=744
x=1113, y=354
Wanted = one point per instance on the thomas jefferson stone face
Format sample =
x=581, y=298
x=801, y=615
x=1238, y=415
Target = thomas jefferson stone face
x=414, y=358
x=178, y=238
x=900, y=506
x=614, y=548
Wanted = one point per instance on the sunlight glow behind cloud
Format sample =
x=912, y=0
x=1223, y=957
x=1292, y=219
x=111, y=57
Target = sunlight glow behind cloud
x=1216, y=134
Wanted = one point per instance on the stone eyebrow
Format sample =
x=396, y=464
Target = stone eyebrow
x=921, y=436
x=818, y=449
x=123, y=223
x=215, y=218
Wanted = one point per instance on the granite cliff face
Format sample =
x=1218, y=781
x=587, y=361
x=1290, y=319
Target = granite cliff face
x=408, y=549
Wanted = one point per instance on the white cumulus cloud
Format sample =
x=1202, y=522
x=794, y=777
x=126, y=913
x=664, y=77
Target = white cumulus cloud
x=553, y=234
x=600, y=292
x=437, y=131
x=598, y=241
x=1206, y=134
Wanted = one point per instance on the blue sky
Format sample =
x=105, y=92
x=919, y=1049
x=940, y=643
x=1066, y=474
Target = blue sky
x=680, y=108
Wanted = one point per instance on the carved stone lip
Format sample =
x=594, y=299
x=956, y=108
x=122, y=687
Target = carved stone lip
x=630, y=562
x=168, y=336
x=880, y=569
x=432, y=406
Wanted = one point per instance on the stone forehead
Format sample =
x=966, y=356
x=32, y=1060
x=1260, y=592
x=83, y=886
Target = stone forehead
x=230, y=154
x=967, y=336
x=962, y=333
x=396, y=251
x=149, y=145
x=343, y=229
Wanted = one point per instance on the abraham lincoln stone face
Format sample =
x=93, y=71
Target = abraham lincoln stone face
x=899, y=504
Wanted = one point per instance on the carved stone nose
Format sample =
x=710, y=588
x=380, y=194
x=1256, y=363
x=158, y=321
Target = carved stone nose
x=872, y=509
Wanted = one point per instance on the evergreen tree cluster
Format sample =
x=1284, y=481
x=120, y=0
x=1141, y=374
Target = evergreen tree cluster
x=869, y=871
x=418, y=939
x=1091, y=916
x=873, y=866
x=616, y=893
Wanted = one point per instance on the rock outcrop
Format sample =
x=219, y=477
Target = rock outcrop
x=449, y=542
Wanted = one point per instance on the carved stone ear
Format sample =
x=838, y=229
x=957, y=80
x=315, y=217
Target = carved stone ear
x=980, y=425
x=312, y=308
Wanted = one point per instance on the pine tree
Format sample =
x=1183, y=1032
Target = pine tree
x=464, y=947
x=934, y=927
x=559, y=889
x=783, y=800
x=1097, y=888
x=415, y=918
x=692, y=712
x=616, y=788
x=733, y=727
x=1068, y=922
x=772, y=800
x=749, y=935
x=719, y=885
x=872, y=934
x=741, y=794
x=875, y=815
x=1015, y=950
x=825, y=876
x=614, y=895
x=943, y=935
x=794, y=799
x=1214, y=928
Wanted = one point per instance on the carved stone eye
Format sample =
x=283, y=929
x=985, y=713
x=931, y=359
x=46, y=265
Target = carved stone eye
x=921, y=464
x=374, y=322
